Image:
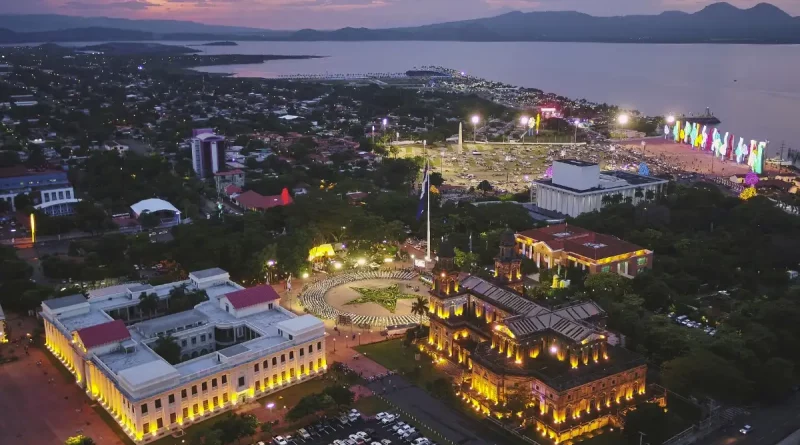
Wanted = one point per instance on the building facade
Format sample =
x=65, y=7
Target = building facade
x=208, y=152
x=236, y=346
x=571, y=246
x=558, y=359
x=579, y=187
x=223, y=179
x=49, y=190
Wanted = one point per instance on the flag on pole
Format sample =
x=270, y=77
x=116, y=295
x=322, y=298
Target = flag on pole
x=424, y=190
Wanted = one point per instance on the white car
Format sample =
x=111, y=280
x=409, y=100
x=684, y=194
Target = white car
x=387, y=419
x=381, y=415
x=408, y=432
x=420, y=441
x=303, y=433
x=280, y=440
x=386, y=442
x=746, y=429
x=362, y=434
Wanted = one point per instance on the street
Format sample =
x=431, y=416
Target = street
x=770, y=426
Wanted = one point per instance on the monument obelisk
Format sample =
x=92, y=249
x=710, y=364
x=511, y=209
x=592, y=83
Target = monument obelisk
x=460, y=138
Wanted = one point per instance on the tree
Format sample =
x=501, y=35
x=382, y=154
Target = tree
x=436, y=179
x=22, y=202
x=649, y=419
x=149, y=220
x=169, y=349
x=36, y=158
x=466, y=261
x=79, y=440
x=266, y=428
x=485, y=186
x=340, y=394
x=419, y=306
x=148, y=303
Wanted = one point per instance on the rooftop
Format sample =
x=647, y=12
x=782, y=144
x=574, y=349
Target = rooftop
x=103, y=334
x=252, y=296
x=609, y=181
x=151, y=328
x=208, y=273
x=257, y=201
x=580, y=241
x=61, y=302
x=576, y=162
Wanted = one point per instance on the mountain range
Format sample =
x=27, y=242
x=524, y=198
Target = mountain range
x=716, y=23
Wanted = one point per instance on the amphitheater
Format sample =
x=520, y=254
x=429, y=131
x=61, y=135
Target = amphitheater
x=328, y=298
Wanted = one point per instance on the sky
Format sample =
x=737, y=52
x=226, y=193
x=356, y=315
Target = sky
x=332, y=14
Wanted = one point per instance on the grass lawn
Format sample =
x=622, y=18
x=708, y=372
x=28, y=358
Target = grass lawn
x=394, y=356
x=369, y=406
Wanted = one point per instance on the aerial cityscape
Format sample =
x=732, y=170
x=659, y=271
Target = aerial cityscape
x=218, y=232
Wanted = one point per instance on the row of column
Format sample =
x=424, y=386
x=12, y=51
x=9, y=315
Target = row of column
x=64, y=349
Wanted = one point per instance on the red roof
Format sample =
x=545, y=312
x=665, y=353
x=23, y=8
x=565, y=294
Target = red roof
x=231, y=189
x=580, y=241
x=252, y=296
x=251, y=200
x=103, y=334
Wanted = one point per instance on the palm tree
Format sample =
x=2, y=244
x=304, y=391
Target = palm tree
x=649, y=195
x=148, y=303
x=419, y=307
x=638, y=193
x=606, y=200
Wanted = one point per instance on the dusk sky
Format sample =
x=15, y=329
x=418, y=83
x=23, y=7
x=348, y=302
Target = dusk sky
x=329, y=14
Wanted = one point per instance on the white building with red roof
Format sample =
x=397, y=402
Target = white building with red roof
x=237, y=345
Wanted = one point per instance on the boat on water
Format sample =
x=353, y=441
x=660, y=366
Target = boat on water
x=778, y=162
x=704, y=119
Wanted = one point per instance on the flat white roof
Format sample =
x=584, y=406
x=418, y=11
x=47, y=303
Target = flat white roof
x=153, y=205
x=301, y=323
x=148, y=373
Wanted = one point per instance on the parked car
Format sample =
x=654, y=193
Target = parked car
x=746, y=429
x=280, y=440
x=302, y=432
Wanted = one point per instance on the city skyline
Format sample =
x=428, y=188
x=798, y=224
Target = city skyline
x=331, y=14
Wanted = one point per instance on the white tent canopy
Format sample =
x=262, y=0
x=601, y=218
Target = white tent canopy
x=153, y=205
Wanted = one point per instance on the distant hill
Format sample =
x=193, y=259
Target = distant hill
x=716, y=23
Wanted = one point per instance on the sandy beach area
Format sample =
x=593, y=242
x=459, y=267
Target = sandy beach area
x=683, y=157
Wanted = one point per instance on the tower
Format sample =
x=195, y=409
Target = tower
x=445, y=272
x=507, y=263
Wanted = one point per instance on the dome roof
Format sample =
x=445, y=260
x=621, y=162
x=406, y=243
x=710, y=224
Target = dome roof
x=507, y=238
x=446, y=250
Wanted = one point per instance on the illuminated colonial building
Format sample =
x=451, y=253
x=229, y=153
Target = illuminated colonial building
x=238, y=345
x=558, y=358
x=571, y=246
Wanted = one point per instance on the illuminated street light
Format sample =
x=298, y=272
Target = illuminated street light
x=384, y=122
x=524, y=120
x=670, y=119
x=623, y=119
x=305, y=275
x=475, y=119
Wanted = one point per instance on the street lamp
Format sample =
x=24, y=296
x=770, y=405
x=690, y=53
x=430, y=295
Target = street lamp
x=622, y=120
x=334, y=345
x=524, y=122
x=384, y=122
x=577, y=121
x=475, y=120
x=671, y=119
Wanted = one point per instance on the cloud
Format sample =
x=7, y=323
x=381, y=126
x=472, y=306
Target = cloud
x=131, y=5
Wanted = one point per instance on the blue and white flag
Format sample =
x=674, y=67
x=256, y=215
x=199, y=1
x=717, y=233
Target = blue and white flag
x=423, y=196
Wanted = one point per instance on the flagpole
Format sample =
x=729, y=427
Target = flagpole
x=428, y=192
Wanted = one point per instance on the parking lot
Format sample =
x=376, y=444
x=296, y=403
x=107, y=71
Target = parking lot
x=362, y=431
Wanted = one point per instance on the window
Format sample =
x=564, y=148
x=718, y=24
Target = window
x=159, y=423
x=269, y=306
x=641, y=261
x=214, y=383
x=183, y=393
x=255, y=367
x=302, y=369
x=264, y=365
x=225, y=380
x=183, y=343
x=225, y=398
x=310, y=349
x=283, y=358
x=146, y=427
x=266, y=383
x=291, y=372
x=302, y=351
x=158, y=403
x=258, y=385
x=241, y=381
x=274, y=379
x=171, y=398
x=173, y=418
x=195, y=409
x=215, y=401
x=319, y=346
x=205, y=405
x=291, y=355
x=283, y=376
x=202, y=337
x=319, y=363
x=605, y=269
x=185, y=412
x=194, y=340
x=194, y=390
x=205, y=386
x=46, y=197
x=274, y=361
x=310, y=365
x=61, y=195
x=144, y=408
x=69, y=194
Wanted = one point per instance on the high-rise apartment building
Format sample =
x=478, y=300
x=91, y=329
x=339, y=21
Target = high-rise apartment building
x=208, y=152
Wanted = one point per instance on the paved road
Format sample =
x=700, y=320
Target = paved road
x=430, y=411
x=770, y=426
